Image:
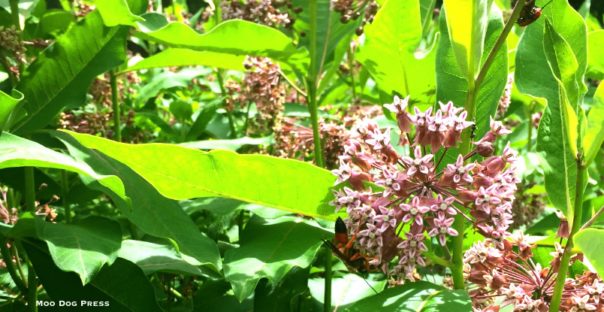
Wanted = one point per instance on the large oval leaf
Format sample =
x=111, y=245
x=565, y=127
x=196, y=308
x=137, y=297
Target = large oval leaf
x=182, y=173
x=7, y=105
x=591, y=242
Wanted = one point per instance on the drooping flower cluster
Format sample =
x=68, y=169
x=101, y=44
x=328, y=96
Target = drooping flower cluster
x=352, y=10
x=528, y=205
x=296, y=141
x=267, y=12
x=396, y=195
x=263, y=87
x=503, y=273
x=8, y=215
x=12, y=46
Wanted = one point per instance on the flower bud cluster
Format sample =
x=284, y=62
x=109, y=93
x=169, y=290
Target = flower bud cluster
x=506, y=275
x=352, y=10
x=267, y=12
x=396, y=196
x=296, y=141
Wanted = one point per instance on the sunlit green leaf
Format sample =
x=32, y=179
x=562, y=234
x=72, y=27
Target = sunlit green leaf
x=187, y=57
x=595, y=41
x=591, y=242
x=467, y=25
x=7, y=105
x=594, y=134
x=116, y=12
x=269, y=181
x=390, y=55
x=61, y=75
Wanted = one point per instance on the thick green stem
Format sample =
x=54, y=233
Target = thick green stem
x=14, y=11
x=576, y=225
x=327, y=294
x=117, y=126
x=10, y=266
x=30, y=190
x=314, y=119
x=228, y=111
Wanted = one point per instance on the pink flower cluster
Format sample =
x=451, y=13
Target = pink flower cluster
x=394, y=194
x=503, y=273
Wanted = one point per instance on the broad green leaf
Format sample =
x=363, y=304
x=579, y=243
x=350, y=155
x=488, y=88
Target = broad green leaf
x=232, y=145
x=151, y=258
x=591, y=242
x=418, y=296
x=116, y=12
x=166, y=80
x=227, y=38
x=148, y=210
x=562, y=62
x=285, y=184
x=533, y=76
x=187, y=57
x=324, y=33
x=84, y=247
x=389, y=53
x=269, y=249
x=61, y=75
x=594, y=134
x=553, y=139
x=123, y=286
x=467, y=26
x=55, y=22
x=7, y=105
x=595, y=61
x=453, y=86
x=19, y=152
x=541, y=58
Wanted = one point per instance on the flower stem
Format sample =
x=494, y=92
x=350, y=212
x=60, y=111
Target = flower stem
x=30, y=190
x=32, y=287
x=314, y=119
x=576, y=225
x=233, y=133
x=327, y=294
x=117, y=127
x=10, y=266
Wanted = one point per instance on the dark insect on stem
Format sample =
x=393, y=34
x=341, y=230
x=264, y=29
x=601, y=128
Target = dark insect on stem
x=530, y=13
x=473, y=132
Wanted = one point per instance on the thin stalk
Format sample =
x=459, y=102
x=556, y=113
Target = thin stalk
x=32, y=287
x=314, y=119
x=327, y=294
x=64, y=191
x=117, y=127
x=529, y=144
x=351, y=68
x=228, y=111
x=500, y=41
x=578, y=214
x=593, y=219
x=30, y=190
x=10, y=266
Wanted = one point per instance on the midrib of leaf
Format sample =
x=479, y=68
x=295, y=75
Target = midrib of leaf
x=563, y=118
x=87, y=60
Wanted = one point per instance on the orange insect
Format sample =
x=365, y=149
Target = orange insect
x=343, y=248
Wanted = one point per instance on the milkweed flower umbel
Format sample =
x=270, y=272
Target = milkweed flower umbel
x=399, y=195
